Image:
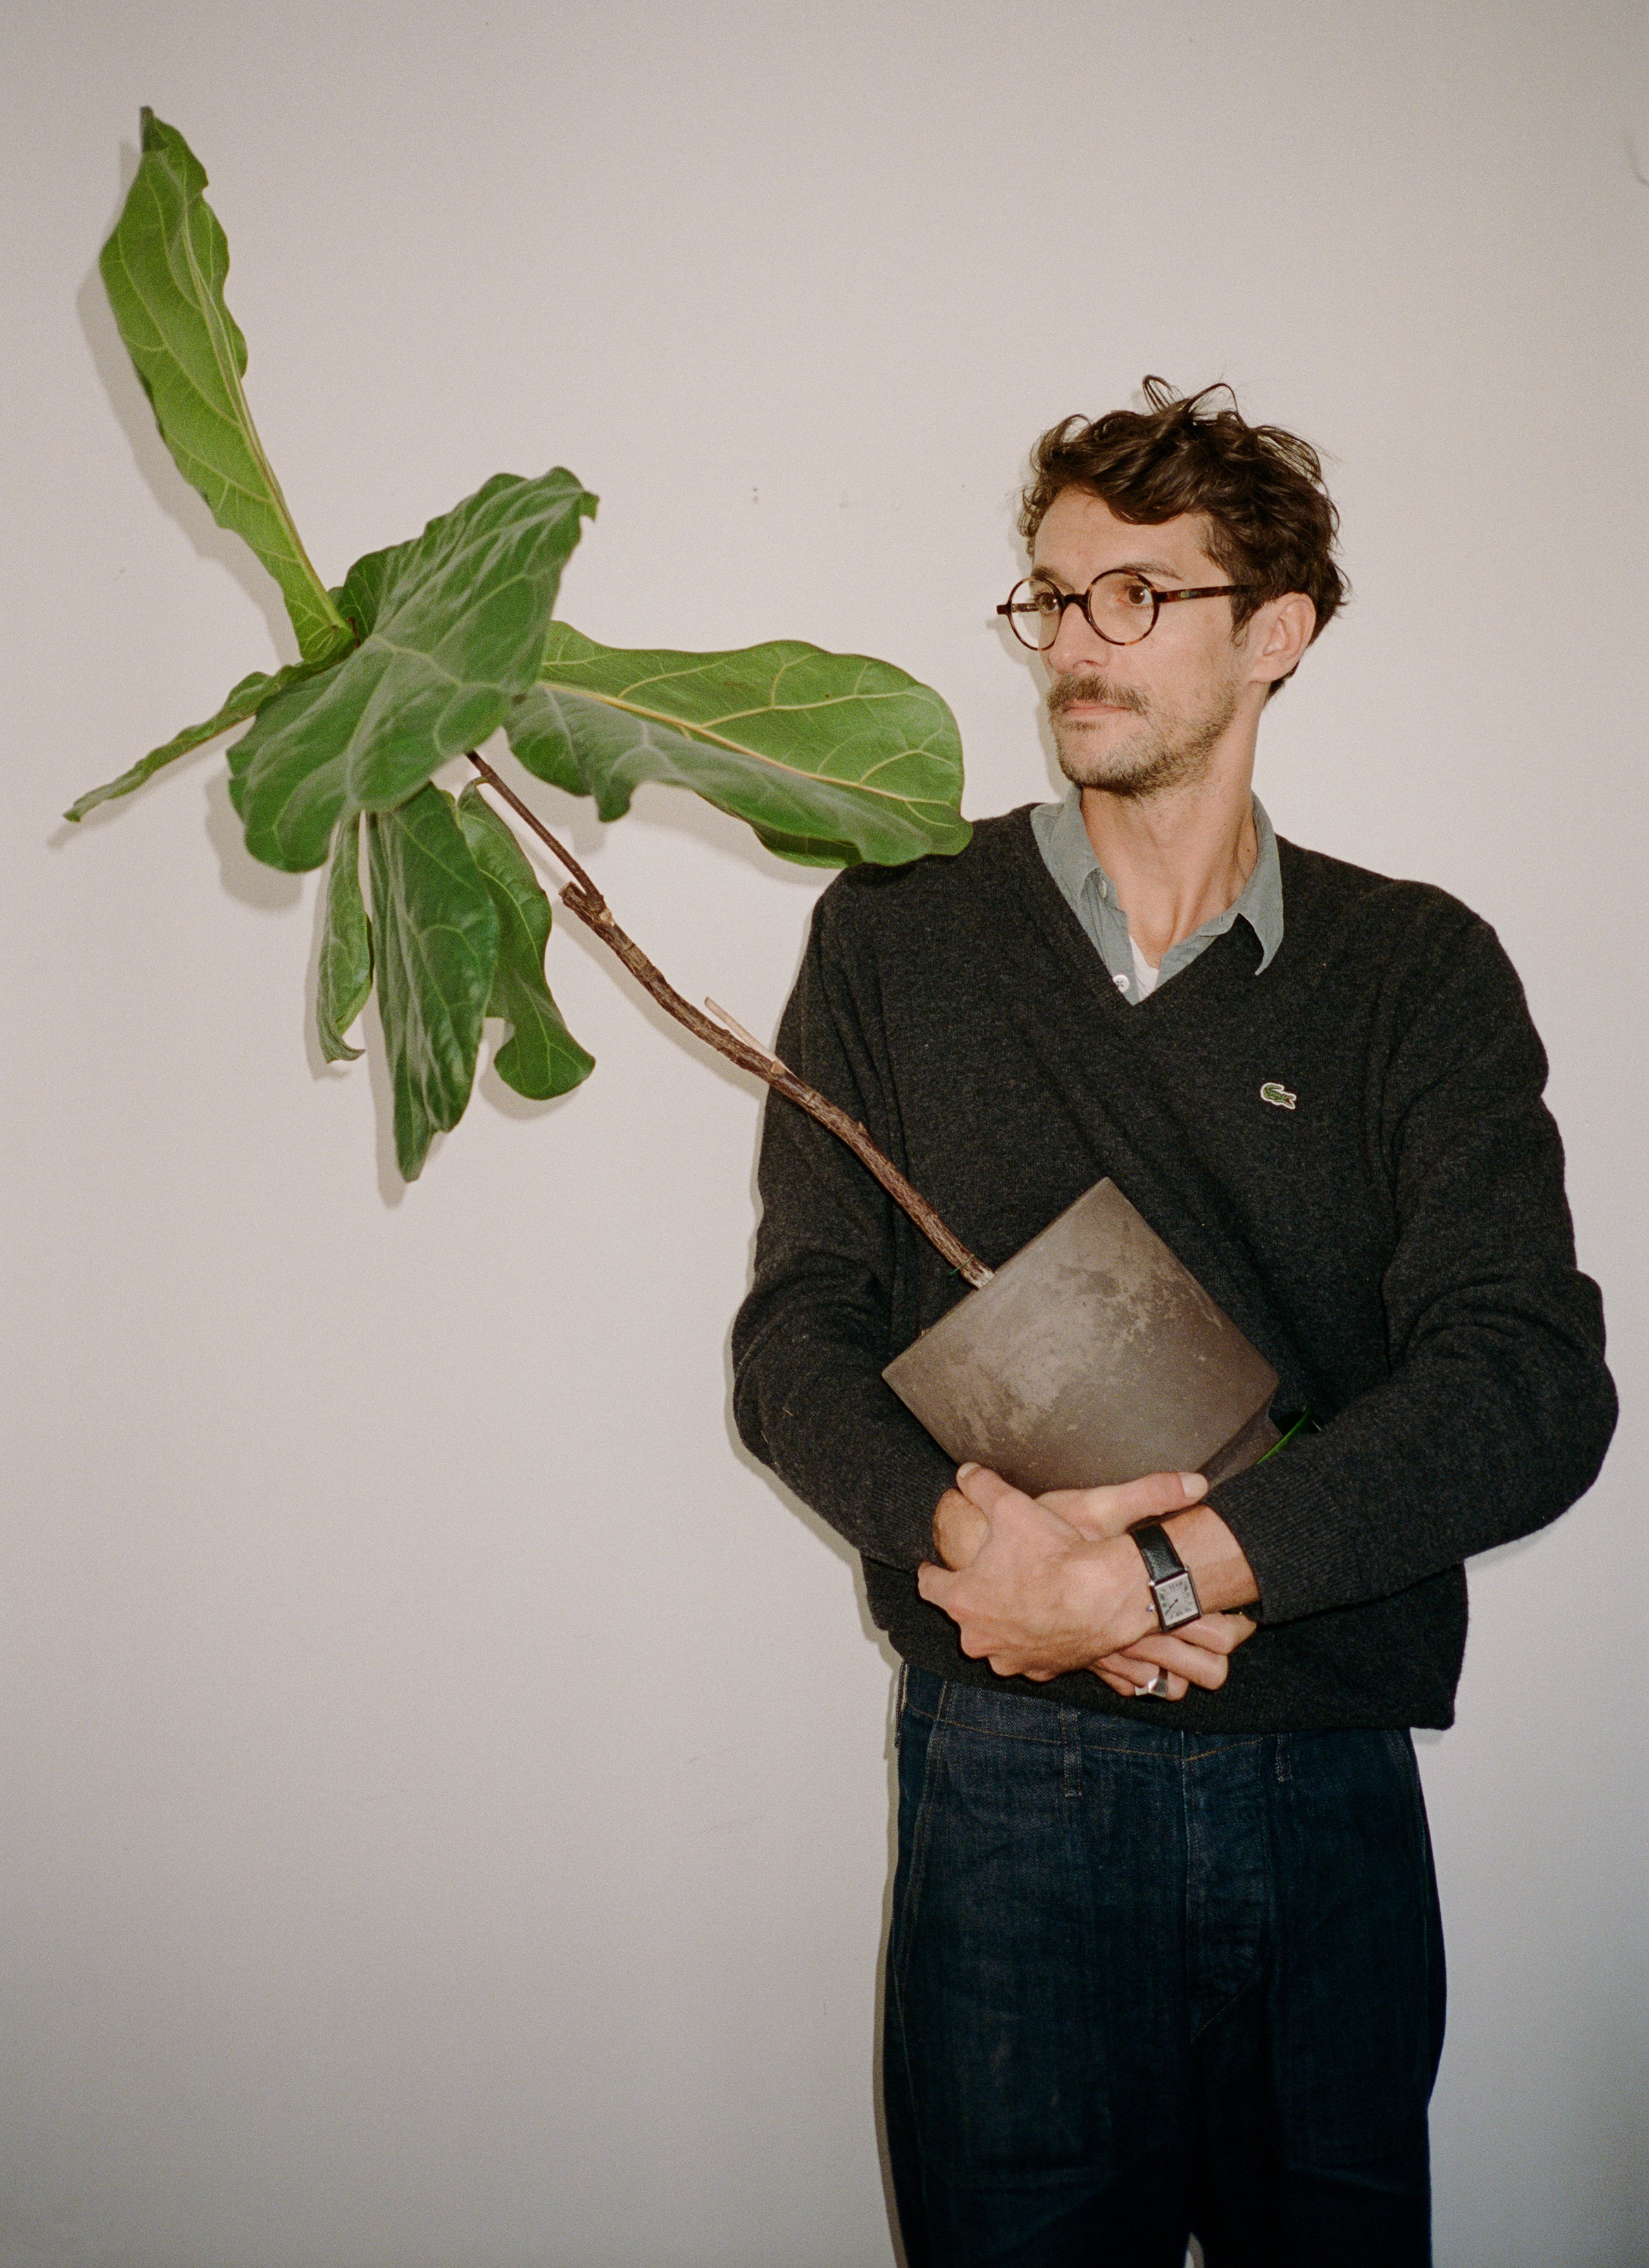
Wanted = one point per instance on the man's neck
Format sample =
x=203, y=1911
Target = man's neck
x=1177, y=859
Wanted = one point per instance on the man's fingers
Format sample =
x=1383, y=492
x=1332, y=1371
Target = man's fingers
x=1129, y=1679
x=988, y=1490
x=1158, y=1493
x=935, y=1583
x=1153, y=1496
x=1198, y=1651
x=1216, y=1636
x=1178, y=1688
x=1105, y=1511
x=1215, y=1633
x=960, y=1529
x=1195, y=1663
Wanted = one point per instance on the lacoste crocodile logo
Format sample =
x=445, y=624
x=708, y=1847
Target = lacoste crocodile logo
x=1272, y=1092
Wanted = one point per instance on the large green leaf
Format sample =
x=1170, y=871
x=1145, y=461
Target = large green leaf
x=346, y=947
x=244, y=700
x=541, y=1057
x=452, y=627
x=163, y=268
x=436, y=947
x=830, y=757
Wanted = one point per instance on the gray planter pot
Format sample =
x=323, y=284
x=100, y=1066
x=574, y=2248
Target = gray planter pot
x=1090, y=1358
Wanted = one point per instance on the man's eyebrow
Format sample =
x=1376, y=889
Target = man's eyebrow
x=1123, y=567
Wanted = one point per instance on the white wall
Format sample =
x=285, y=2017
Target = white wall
x=447, y=1779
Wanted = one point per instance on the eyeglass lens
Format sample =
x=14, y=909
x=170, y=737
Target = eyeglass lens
x=1120, y=606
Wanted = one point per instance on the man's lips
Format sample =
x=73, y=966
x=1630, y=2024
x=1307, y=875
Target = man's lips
x=1073, y=698
x=1090, y=712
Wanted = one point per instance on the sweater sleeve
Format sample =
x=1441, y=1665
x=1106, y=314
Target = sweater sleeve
x=810, y=1341
x=1497, y=1408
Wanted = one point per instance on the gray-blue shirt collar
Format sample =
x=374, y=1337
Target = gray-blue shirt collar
x=1068, y=854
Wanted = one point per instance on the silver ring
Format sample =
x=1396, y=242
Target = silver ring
x=1157, y=1690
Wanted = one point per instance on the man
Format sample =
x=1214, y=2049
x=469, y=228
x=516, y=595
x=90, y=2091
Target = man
x=1165, y=1954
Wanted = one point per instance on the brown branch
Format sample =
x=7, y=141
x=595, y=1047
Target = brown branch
x=581, y=897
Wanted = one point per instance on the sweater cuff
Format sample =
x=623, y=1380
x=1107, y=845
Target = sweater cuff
x=914, y=1476
x=1274, y=1510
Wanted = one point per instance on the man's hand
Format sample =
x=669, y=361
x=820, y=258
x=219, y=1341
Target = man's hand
x=1102, y=1512
x=1039, y=1597
x=1194, y=1655
x=962, y=1523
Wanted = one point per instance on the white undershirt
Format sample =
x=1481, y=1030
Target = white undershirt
x=1144, y=975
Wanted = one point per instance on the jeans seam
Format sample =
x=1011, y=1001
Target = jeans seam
x=904, y=1920
x=1230, y=1743
x=1399, y=1746
x=988, y=1731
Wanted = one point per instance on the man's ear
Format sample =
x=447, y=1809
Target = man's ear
x=1279, y=634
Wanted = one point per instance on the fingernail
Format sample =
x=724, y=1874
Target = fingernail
x=962, y=1471
x=1193, y=1484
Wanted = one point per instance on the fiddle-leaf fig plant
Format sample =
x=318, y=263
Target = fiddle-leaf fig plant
x=422, y=652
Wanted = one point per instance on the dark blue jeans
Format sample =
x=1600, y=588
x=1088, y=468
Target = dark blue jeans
x=1143, y=1983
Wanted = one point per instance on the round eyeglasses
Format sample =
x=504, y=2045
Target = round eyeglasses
x=1119, y=606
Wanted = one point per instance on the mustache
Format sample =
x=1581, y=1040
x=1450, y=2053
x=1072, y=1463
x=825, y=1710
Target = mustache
x=1065, y=691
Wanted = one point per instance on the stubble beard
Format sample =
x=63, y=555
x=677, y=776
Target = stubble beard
x=1172, y=754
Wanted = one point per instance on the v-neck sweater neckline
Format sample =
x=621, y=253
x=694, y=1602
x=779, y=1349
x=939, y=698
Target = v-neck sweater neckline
x=1062, y=926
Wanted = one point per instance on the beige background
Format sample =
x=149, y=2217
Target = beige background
x=446, y=1781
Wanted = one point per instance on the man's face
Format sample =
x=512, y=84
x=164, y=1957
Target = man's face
x=1137, y=719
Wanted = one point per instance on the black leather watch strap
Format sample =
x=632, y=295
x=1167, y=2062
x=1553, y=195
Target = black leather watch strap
x=1173, y=1592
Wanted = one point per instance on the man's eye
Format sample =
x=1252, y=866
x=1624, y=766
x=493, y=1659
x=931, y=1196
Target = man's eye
x=1137, y=594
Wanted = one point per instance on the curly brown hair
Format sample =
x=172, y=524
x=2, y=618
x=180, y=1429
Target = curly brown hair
x=1271, y=523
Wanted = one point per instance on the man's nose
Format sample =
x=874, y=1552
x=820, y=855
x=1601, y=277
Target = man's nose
x=1075, y=641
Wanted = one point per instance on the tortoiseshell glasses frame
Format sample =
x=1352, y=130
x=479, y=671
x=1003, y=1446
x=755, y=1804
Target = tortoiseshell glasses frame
x=1121, y=597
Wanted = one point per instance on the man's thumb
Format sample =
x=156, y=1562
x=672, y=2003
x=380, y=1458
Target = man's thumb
x=1161, y=1492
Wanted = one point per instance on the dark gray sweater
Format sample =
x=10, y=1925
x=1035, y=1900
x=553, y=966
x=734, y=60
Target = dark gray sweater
x=1398, y=1245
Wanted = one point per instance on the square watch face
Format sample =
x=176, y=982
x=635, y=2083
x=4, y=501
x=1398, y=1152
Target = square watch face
x=1176, y=1600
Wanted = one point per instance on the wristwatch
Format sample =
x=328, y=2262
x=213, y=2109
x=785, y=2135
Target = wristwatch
x=1173, y=1592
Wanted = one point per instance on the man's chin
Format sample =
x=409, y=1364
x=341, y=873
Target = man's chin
x=1086, y=764
x=1126, y=786
x=1132, y=783
x=1128, y=774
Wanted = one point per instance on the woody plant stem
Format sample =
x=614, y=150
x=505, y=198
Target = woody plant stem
x=581, y=897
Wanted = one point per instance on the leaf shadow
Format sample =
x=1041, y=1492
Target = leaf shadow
x=167, y=486
x=524, y=1109
x=391, y=1189
x=108, y=815
x=1012, y=650
x=244, y=878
